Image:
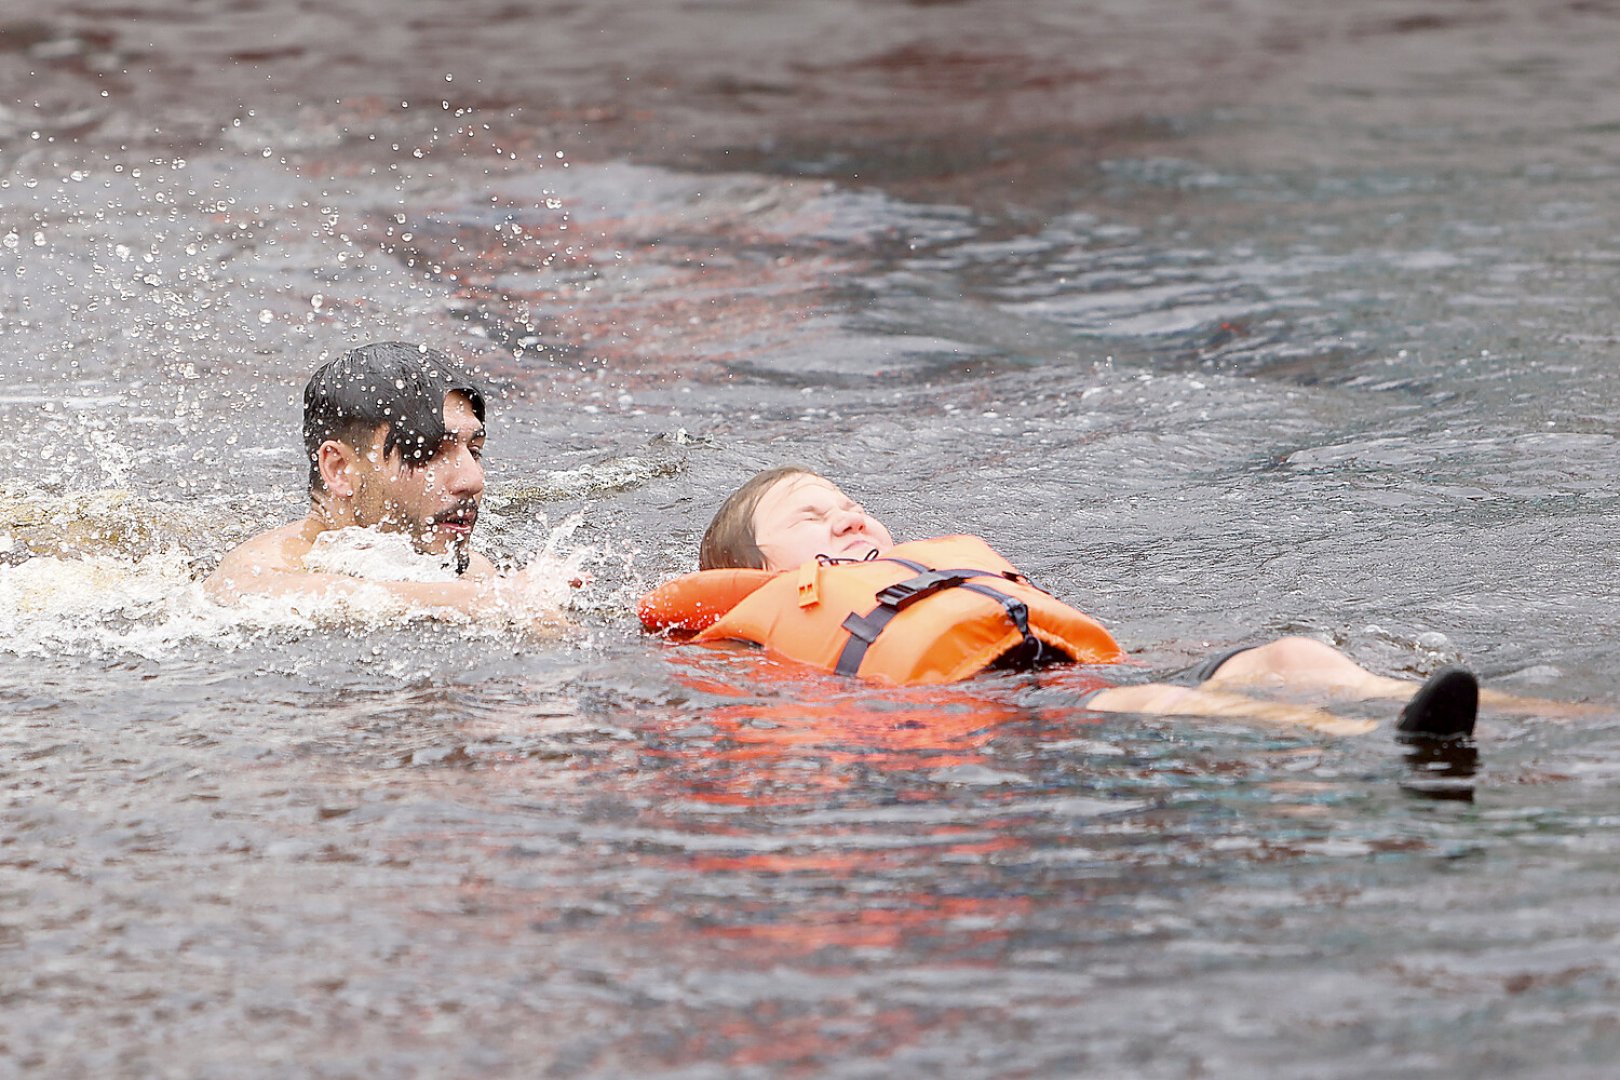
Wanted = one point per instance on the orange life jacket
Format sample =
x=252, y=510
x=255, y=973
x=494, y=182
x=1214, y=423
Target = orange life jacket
x=930, y=611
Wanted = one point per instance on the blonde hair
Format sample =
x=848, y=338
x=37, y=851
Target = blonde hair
x=729, y=540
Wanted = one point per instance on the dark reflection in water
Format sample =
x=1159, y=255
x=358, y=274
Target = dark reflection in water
x=1222, y=321
x=1442, y=770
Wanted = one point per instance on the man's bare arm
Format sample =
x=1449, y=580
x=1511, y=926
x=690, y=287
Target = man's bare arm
x=467, y=597
x=272, y=565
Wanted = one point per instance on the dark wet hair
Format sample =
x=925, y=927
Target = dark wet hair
x=388, y=382
x=729, y=540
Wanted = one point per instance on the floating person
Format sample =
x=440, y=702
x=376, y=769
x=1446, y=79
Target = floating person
x=395, y=436
x=792, y=564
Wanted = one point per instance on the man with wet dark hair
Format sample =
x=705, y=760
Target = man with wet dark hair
x=392, y=383
x=395, y=437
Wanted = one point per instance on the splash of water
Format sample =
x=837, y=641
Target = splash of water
x=375, y=556
x=126, y=599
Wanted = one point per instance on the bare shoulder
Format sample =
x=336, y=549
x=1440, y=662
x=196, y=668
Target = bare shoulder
x=280, y=551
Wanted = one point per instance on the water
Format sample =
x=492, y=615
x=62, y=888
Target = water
x=1222, y=320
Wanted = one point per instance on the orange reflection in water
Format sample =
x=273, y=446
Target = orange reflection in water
x=782, y=727
x=841, y=795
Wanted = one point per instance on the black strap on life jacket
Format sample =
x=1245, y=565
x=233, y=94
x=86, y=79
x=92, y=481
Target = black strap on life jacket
x=893, y=599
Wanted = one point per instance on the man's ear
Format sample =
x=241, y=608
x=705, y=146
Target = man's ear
x=336, y=462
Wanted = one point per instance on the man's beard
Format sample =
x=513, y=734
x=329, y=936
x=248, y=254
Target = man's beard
x=459, y=555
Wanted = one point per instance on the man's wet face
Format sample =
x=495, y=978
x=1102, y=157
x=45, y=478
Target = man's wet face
x=436, y=501
x=804, y=515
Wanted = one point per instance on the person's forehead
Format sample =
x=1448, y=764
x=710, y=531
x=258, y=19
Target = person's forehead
x=799, y=488
x=459, y=412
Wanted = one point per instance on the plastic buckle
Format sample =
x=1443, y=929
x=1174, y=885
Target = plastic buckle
x=902, y=594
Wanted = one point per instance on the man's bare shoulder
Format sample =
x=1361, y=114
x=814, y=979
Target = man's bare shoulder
x=279, y=551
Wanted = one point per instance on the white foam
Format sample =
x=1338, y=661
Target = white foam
x=151, y=605
x=53, y=605
x=376, y=556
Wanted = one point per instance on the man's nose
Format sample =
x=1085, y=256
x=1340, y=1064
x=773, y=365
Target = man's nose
x=847, y=521
x=466, y=477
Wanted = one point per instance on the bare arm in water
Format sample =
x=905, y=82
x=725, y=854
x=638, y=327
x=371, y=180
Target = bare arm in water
x=272, y=564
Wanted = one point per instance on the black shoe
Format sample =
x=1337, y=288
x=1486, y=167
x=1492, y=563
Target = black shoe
x=1443, y=708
